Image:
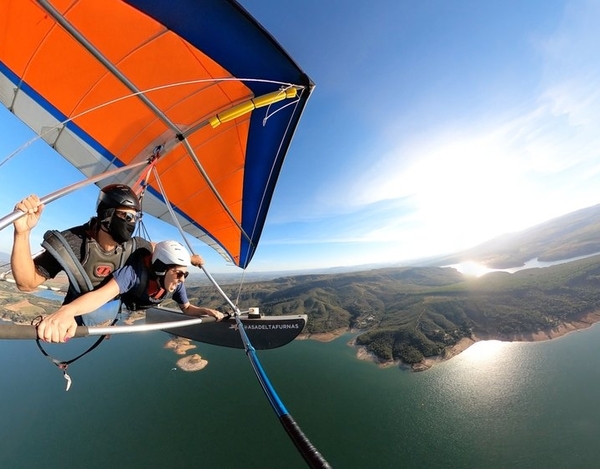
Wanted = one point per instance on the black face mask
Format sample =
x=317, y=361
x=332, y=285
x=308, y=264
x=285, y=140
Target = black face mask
x=119, y=229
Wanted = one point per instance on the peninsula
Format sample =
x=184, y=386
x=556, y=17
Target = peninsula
x=409, y=315
x=416, y=315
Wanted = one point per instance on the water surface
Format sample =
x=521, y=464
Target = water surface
x=497, y=405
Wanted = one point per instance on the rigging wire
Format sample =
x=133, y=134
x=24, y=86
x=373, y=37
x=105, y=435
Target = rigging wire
x=242, y=281
x=4, y=276
x=308, y=451
x=252, y=247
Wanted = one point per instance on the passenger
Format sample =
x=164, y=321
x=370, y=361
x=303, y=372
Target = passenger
x=144, y=282
x=88, y=253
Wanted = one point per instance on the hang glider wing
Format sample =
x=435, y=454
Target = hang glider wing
x=108, y=83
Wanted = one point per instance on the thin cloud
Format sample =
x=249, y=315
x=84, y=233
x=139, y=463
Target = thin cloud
x=497, y=177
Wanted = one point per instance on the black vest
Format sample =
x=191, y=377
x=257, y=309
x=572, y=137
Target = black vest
x=86, y=264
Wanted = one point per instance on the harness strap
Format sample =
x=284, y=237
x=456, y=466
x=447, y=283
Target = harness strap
x=143, y=261
x=56, y=244
x=141, y=296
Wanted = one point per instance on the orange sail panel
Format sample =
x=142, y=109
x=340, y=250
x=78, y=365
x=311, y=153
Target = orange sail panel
x=106, y=83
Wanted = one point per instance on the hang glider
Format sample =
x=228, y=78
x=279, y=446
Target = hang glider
x=191, y=102
x=198, y=84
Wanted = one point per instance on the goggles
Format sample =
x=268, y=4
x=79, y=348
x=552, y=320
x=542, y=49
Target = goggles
x=128, y=216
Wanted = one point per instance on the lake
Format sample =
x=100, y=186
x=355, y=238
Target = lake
x=497, y=405
x=473, y=268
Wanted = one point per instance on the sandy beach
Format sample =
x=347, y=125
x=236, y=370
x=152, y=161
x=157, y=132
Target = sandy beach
x=323, y=336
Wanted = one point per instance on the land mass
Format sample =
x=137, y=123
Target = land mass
x=572, y=235
x=413, y=314
x=409, y=315
x=418, y=314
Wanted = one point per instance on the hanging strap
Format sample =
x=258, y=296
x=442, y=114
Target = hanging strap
x=64, y=364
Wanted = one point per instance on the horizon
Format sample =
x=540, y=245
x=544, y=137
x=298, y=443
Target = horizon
x=417, y=142
x=467, y=266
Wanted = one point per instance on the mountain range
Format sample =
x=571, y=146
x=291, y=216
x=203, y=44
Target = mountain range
x=409, y=313
x=573, y=235
x=416, y=311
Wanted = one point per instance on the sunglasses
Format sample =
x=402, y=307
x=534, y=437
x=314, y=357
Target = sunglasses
x=180, y=274
x=128, y=216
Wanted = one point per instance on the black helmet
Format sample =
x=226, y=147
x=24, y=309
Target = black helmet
x=117, y=196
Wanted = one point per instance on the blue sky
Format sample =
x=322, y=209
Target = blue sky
x=434, y=126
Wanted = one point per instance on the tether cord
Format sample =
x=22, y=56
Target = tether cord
x=64, y=364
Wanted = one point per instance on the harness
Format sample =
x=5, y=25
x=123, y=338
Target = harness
x=147, y=292
x=84, y=275
x=86, y=264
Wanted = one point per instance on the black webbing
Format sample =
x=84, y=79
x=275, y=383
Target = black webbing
x=64, y=364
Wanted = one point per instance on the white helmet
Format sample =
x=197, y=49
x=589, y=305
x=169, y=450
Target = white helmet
x=170, y=253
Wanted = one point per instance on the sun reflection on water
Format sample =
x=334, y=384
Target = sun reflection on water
x=485, y=350
x=480, y=391
x=471, y=268
x=487, y=377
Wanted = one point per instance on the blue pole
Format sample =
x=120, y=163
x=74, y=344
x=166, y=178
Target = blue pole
x=310, y=454
x=308, y=451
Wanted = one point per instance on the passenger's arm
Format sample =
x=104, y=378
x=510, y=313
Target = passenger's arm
x=60, y=326
x=192, y=310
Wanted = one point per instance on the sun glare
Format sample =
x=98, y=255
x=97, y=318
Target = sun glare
x=471, y=268
x=485, y=350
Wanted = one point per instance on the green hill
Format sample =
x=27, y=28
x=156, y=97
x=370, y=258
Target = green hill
x=416, y=312
x=402, y=313
x=409, y=313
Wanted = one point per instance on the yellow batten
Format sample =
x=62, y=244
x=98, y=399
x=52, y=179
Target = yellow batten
x=250, y=105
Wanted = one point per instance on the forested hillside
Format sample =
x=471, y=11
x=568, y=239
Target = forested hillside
x=409, y=313
x=415, y=312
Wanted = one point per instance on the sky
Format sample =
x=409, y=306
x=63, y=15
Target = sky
x=434, y=126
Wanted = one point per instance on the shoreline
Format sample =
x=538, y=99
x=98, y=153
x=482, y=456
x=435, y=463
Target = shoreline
x=323, y=336
x=585, y=321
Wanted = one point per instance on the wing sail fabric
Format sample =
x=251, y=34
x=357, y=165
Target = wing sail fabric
x=128, y=77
